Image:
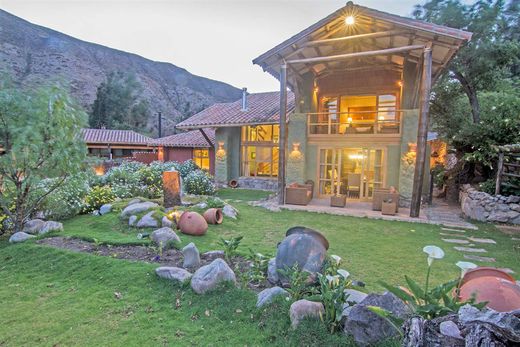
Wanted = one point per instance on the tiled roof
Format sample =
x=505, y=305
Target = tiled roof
x=262, y=108
x=192, y=139
x=110, y=136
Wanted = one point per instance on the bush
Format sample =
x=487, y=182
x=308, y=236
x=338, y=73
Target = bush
x=97, y=197
x=199, y=183
x=186, y=168
x=68, y=200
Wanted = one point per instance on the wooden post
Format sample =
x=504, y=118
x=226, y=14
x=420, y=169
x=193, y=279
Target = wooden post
x=500, y=168
x=283, y=134
x=422, y=132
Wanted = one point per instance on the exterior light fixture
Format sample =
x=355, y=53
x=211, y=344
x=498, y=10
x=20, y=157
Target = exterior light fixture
x=350, y=20
x=400, y=83
x=221, y=152
x=296, y=146
x=316, y=89
x=412, y=147
x=295, y=153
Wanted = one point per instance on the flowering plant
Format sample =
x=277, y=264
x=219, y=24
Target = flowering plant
x=199, y=183
x=331, y=289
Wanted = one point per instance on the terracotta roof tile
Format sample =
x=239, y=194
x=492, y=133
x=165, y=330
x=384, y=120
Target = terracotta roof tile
x=106, y=136
x=262, y=108
x=192, y=139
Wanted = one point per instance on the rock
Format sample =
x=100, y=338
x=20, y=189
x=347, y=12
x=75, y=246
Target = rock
x=208, y=277
x=132, y=220
x=106, y=208
x=165, y=222
x=367, y=327
x=478, y=240
x=138, y=207
x=20, y=237
x=355, y=295
x=230, y=211
x=133, y=201
x=305, y=308
x=502, y=217
x=50, y=226
x=272, y=273
x=33, y=226
x=173, y=273
x=95, y=213
x=213, y=254
x=506, y=322
x=512, y=199
x=201, y=205
x=148, y=221
x=478, y=258
x=449, y=328
x=166, y=237
x=191, y=256
x=267, y=296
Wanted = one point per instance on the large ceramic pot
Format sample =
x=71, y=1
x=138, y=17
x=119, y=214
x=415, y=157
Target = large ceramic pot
x=192, y=223
x=495, y=286
x=302, y=246
x=213, y=216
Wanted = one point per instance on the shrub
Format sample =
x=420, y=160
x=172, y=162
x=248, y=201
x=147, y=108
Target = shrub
x=199, y=183
x=186, y=168
x=69, y=199
x=230, y=246
x=97, y=197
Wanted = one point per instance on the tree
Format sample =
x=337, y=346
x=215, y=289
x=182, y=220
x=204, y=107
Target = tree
x=491, y=56
x=118, y=104
x=40, y=133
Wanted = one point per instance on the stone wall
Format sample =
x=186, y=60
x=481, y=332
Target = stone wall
x=489, y=208
x=258, y=183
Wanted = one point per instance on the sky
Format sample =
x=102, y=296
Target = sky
x=215, y=39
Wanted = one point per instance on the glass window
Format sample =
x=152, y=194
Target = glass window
x=201, y=158
x=261, y=133
x=260, y=150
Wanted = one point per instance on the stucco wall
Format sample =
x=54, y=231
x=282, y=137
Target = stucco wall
x=181, y=154
x=296, y=159
x=227, y=167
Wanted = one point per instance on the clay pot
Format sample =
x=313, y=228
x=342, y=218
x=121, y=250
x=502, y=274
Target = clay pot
x=495, y=286
x=213, y=216
x=192, y=223
x=233, y=183
x=303, y=230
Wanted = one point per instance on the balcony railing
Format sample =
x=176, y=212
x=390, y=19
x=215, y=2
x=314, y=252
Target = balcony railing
x=354, y=123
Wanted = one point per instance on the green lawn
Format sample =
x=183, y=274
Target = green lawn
x=56, y=297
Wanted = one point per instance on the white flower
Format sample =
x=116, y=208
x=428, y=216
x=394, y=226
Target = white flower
x=343, y=273
x=433, y=252
x=336, y=258
x=465, y=266
x=333, y=279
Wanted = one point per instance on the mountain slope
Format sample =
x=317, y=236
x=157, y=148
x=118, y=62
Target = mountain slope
x=32, y=55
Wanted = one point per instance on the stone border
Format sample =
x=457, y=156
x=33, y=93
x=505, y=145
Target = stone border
x=484, y=207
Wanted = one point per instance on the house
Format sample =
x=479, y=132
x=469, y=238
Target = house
x=357, y=117
x=115, y=144
x=198, y=145
x=246, y=137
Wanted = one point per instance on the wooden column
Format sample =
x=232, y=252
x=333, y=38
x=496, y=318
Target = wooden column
x=283, y=134
x=499, y=172
x=422, y=132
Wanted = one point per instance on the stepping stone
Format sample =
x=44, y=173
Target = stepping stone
x=475, y=239
x=456, y=230
x=470, y=250
x=461, y=242
x=515, y=239
x=477, y=258
x=508, y=270
x=453, y=235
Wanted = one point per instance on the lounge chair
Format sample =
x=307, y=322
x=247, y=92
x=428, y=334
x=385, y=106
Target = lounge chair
x=381, y=194
x=298, y=194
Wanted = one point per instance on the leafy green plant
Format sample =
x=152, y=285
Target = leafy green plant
x=230, y=246
x=97, y=197
x=331, y=265
x=259, y=263
x=331, y=293
x=214, y=202
x=298, y=281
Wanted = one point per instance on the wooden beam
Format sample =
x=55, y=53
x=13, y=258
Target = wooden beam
x=206, y=137
x=422, y=132
x=283, y=134
x=500, y=168
x=354, y=37
x=355, y=55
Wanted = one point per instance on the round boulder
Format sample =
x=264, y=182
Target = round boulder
x=20, y=237
x=208, y=277
x=173, y=273
x=50, y=226
x=33, y=226
x=165, y=237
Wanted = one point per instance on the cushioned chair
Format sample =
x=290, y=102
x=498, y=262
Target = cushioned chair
x=353, y=184
x=298, y=194
x=381, y=194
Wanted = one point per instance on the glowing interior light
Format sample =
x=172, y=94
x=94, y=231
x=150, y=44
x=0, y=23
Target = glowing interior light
x=349, y=20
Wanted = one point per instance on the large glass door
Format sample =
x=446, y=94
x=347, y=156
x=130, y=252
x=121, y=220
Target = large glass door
x=354, y=172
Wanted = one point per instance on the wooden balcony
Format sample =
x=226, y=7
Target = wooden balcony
x=363, y=123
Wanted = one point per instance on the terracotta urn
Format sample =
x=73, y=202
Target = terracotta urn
x=213, y=216
x=495, y=286
x=192, y=223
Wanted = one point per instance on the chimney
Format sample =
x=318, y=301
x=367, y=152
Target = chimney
x=244, y=99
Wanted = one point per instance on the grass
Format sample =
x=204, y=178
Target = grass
x=56, y=297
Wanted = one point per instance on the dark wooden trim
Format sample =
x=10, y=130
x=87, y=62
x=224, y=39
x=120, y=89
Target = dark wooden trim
x=206, y=137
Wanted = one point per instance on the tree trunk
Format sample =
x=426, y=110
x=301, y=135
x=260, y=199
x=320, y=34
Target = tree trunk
x=471, y=93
